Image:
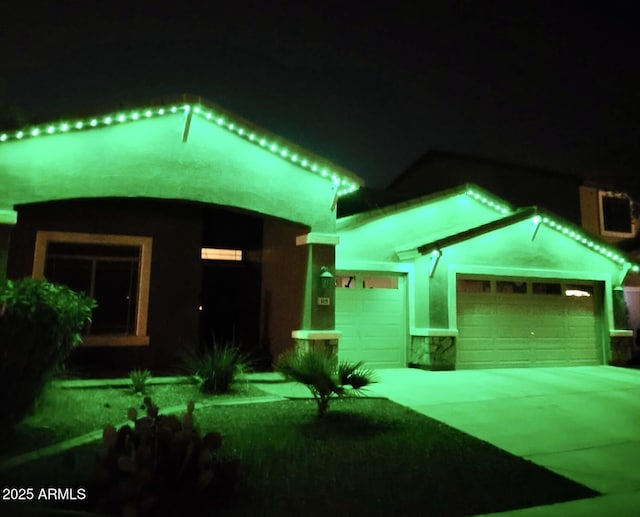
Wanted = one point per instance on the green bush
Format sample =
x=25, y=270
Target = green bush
x=40, y=324
x=139, y=379
x=325, y=377
x=216, y=367
x=161, y=466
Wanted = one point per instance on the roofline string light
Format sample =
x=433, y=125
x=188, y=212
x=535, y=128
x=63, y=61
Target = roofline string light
x=486, y=201
x=565, y=230
x=342, y=185
x=589, y=243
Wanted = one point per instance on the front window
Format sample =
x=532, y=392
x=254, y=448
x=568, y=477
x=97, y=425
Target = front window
x=113, y=269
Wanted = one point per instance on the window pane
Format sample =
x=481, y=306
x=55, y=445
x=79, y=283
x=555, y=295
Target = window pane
x=107, y=273
x=507, y=286
x=380, y=282
x=115, y=290
x=546, y=288
x=220, y=254
x=74, y=273
x=578, y=290
x=466, y=285
x=91, y=250
x=616, y=214
x=345, y=282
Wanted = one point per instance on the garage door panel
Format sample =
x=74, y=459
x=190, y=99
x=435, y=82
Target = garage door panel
x=513, y=330
x=498, y=330
x=373, y=324
x=549, y=355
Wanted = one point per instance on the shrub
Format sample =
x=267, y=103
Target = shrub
x=216, y=367
x=139, y=380
x=161, y=465
x=40, y=324
x=325, y=377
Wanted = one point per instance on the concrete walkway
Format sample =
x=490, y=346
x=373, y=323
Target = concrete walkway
x=580, y=422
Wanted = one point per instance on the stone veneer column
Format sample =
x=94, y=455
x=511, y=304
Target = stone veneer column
x=621, y=344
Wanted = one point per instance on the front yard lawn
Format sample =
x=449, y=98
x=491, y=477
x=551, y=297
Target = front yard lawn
x=367, y=457
x=64, y=413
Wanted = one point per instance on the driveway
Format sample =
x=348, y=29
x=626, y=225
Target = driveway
x=581, y=422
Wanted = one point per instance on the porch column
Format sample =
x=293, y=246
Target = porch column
x=8, y=219
x=319, y=311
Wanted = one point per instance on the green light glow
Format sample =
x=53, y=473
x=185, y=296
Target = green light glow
x=488, y=202
x=556, y=226
x=346, y=185
x=635, y=268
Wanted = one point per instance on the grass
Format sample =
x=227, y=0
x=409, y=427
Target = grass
x=366, y=457
x=64, y=413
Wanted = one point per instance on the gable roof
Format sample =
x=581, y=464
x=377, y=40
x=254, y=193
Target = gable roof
x=389, y=209
x=344, y=181
x=453, y=233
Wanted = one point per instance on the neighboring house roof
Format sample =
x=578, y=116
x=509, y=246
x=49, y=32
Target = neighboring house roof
x=524, y=186
x=343, y=180
x=409, y=229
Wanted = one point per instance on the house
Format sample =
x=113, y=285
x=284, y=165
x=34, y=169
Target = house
x=183, y=220
x=462, y=279
x=188, y=223
x=606, y=211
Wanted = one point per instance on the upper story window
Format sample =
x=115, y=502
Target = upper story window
x=616, y=219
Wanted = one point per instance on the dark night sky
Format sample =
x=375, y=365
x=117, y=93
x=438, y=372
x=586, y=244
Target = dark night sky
x=544, y=84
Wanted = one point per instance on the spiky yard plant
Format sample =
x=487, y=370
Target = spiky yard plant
x=325, y=377
x=216, y=367
x=139, y=379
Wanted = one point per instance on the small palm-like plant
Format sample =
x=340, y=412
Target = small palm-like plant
x=325, y=377
x=217, y=367
x=139, y=379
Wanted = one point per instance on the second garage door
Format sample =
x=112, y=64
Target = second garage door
x=371, y=314
x=508, y=323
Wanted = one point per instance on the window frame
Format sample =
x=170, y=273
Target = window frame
x=140, y=338
x=603, y=229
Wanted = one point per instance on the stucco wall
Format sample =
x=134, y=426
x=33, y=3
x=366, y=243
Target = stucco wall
x=148, y=158
x=284, y=284
x=382, y=234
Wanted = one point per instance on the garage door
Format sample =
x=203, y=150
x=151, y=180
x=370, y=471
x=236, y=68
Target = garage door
x=370, y=313
x=507, y=323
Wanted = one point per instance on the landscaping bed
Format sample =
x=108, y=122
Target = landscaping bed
x=365, y=457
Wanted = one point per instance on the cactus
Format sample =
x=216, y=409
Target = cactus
x=159, y=461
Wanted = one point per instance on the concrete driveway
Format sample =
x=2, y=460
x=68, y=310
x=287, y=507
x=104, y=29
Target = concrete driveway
x=581, y=422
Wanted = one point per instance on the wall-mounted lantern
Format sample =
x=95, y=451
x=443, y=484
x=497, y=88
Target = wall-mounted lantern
x=327, y=287
x=326, y=278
